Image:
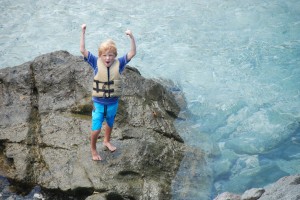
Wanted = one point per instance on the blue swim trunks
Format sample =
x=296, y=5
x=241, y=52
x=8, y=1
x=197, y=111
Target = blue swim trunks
x=101, y=112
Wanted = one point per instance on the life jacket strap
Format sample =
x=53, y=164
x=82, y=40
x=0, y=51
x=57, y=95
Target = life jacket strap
x=105, y=111
x=104, y=84
x=105, y=91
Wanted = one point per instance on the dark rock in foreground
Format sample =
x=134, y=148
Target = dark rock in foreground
x=45, y=127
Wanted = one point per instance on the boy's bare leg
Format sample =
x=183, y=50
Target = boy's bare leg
x=106, y=140
x=94, y=137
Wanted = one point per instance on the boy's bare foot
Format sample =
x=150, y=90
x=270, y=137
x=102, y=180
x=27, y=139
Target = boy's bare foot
x=109, y=146
x=96, y=156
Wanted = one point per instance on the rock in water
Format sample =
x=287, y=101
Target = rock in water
x=286, y=188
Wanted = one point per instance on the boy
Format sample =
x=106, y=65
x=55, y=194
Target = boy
x=106, y=86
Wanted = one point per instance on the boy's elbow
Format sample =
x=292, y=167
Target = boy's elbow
x=132, y=54
x=82, y=50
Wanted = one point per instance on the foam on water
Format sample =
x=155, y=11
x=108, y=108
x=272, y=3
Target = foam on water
x=236, y=62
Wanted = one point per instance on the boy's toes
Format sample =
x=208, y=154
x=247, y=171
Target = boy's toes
x=96, y=158
x=109, y=146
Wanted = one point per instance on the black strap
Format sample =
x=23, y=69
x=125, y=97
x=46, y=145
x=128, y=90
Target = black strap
x=104, y=90
x=108, y=81
x=105, y=83
x=105, y=111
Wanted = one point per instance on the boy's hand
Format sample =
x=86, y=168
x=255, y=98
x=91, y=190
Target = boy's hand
x=84, y=52
x=129, y=33
x=132, y=51
x=83, y=27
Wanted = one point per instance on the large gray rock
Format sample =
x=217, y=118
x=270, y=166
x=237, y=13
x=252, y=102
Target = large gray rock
x=228, y=196
x=286, y=188
x=45, y=127
x=253, y=194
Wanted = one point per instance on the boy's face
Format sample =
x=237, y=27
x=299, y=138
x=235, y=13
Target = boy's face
x=108, y=58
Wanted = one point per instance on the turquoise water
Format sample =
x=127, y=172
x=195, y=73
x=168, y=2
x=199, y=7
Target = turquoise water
x=238, y=64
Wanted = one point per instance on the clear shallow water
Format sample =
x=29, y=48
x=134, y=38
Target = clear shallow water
x=236, y=62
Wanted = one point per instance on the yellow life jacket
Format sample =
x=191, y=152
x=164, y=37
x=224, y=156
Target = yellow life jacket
x=107, y=81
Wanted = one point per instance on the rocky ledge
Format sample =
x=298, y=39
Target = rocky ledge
x=45, y=127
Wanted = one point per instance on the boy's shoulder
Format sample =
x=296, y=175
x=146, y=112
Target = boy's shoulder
x=91, y=60
x=90, y=54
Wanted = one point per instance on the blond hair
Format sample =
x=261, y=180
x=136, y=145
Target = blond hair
x=108, y=45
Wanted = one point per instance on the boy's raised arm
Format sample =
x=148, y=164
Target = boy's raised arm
x=83, y=51
x=132, y=51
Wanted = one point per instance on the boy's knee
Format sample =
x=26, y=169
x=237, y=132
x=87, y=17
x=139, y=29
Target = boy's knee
x=96, y=132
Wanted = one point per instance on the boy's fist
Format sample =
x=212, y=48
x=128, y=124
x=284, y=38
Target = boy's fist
x=83, y=26
x=128, y=32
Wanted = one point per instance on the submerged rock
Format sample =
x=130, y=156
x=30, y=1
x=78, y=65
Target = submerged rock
x=45, y=127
